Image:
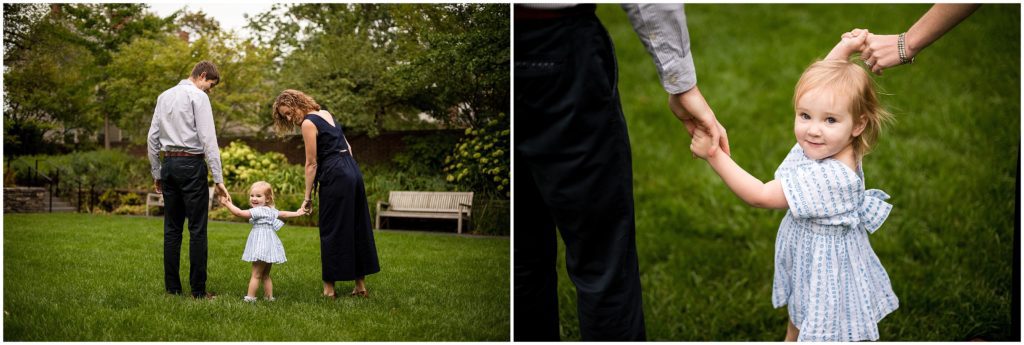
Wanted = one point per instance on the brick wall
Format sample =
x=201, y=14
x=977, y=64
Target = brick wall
x=24, y=199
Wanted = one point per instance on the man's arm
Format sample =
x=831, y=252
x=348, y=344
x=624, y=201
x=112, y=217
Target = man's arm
x=662, y=29
x=153, y=147
x=208, y=136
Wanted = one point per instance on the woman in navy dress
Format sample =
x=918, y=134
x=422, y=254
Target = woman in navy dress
x=347, y=249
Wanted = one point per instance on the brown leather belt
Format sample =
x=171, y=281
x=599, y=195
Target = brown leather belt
x=180, y=154
x=527, y=13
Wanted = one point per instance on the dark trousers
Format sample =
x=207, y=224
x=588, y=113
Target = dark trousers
x=186, y=196
x=573, y=173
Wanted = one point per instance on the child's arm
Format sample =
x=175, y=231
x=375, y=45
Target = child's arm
x=289, y=214
x=226, y=201
x=747, y=187
x=850, y=43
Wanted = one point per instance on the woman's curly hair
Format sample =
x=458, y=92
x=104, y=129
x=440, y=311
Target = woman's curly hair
x=299, y=104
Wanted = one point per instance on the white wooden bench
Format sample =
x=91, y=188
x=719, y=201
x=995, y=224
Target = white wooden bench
x=154, y=199
x=436, y=205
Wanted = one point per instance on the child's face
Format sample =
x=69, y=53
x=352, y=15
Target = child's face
x=824, y=126
x=258, y=198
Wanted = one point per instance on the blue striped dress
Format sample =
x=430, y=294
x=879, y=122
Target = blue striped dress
x=825, y=270
x=263, y=243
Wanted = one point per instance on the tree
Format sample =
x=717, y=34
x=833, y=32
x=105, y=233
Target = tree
x=55, y=58
x=48, y=82
x=467, y=47
x=147, y=67
x=375, y=64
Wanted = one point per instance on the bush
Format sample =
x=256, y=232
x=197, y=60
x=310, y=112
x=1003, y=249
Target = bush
x=130, y=210
x=425, y=154
x=101, y=169
x=243, y=166
x=108, y=201
x=131, y=199
x=491, y=217
x=222, y=213
x=481, y=160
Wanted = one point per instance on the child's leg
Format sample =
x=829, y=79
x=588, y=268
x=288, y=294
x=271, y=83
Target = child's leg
x=254, y=279
x=268, y=283
x=792, y=333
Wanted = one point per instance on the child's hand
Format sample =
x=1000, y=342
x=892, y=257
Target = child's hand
x=854, y=41
x=224, y=200
x=849, y=43
x=701, y=143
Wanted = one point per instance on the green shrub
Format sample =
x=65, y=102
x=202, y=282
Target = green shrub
x=480, y=161
x=100, y=169
x=491, y=217
x=130, y=210
x=130, y=199
x=243, y=166
x=223, y=214
x=425, y=154
x=108, y=201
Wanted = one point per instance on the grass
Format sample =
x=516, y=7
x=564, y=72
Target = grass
x=949, y=163
x=70, y=277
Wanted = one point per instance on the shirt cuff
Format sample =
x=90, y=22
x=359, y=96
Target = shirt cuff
x=679, y=77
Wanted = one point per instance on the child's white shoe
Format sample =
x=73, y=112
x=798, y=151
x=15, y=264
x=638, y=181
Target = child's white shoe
x=249, y=299
x=271, y=299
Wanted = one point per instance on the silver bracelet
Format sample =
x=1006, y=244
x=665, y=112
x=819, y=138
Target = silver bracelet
x=902, y=45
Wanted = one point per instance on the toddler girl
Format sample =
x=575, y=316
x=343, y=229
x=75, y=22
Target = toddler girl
x=263, y=248
x=825, y=270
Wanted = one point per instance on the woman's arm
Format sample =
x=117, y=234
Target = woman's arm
x=226, y=201
x=883, y=50
x=309, y=138
x=936, y=22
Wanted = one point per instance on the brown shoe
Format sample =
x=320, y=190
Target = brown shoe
x=206, y=296
x=360, y=293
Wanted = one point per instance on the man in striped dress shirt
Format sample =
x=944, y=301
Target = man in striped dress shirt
x=183, y=130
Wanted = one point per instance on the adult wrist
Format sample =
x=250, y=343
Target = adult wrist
x=902, y=50
x=911, y=45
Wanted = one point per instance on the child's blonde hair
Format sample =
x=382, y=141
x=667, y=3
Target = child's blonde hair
x=847, y=79
x=265, y=187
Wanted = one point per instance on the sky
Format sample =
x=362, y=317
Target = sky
x=229, y=15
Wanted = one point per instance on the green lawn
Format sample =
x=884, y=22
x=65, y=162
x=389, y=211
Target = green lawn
x=71, y=277
x=949, y=163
